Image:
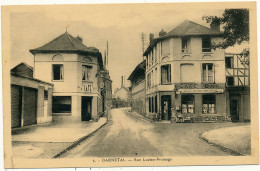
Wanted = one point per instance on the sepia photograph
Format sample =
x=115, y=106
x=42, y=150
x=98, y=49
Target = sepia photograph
x=137, y=84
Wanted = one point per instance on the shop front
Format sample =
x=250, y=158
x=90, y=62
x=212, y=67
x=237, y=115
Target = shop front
x=199, y=103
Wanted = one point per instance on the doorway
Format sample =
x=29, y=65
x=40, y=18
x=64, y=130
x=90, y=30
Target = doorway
x=166, y=107
x=234, y=110
x=86, y=110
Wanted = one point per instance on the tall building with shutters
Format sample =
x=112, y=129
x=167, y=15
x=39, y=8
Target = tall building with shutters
x=74, y=70
x=185, y=78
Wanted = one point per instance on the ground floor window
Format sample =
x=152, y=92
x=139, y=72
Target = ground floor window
x=187, y=104
x=156, y=107
x=61, y=104
x=209, y=104
x=150, y=106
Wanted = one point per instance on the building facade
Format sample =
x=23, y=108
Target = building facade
x=74, y=70
x=238, y=86
x=121, y=96
x=185, y=78
x=137, y=88
x=106, y=90
x=31, y=99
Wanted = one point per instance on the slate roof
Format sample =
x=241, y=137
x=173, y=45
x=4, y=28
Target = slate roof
x=67, y=43
x=64, y=43
x=23, y=63
x=189, y=28
x=139, y=70
x=186, y=28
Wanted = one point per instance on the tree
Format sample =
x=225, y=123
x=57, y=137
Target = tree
x=236, y=26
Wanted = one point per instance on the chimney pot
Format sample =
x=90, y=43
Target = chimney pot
x=162, y=33
x=79, y=38
x=215, y=25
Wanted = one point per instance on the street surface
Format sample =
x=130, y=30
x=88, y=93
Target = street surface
x=128, y=135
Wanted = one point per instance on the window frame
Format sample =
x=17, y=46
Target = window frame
x=208, y=103
x=169, y=79
x=188, y=45
x=206, y=49
x=231, y=62
x=89, y=67
x=187, y=103
x=227, y=77
x=61, y=72
x=207, y=73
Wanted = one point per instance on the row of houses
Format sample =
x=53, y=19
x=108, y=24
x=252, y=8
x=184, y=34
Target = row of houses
x=68, y=82
x=183, y=79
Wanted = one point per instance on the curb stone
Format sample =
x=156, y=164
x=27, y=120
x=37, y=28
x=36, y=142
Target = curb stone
x=221, y=147
x=75, y=143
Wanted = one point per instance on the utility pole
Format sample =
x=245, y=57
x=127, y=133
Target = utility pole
x=107, y=54
x=142, y=38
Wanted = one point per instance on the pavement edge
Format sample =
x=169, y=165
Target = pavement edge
x=221, y=147
x=75, y=143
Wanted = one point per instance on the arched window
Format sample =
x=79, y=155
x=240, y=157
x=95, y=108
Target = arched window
x=57, y=57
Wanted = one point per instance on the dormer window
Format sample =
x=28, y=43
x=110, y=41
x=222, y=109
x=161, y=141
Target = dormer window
x=206, y=44
x=185, y=42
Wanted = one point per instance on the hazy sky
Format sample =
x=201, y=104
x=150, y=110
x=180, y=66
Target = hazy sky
x=119, y=24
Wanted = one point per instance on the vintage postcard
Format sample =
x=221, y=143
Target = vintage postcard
x=108, y=85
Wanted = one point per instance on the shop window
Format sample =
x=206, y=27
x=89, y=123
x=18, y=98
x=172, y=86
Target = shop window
x=206, y=44
x=61, y=104
x=166, y=74
x=209, y=104
x=230, y=81
x=185, y=42
x=45, y=94
x=57, y=72
x=187, y=104
x=152, y=105
x=229, y=62
x=156, y=107
x=207, y=73
x=86, y=72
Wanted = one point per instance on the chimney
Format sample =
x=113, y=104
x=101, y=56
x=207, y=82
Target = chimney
x=162, y=33
x=151, y=36
x=79, y=39
x=215, y=25
x=122, y=81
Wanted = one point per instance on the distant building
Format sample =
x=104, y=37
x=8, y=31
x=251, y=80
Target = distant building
x=31, y=99
x=137, y=88
x=74, y=69
x=238, y=86
x=106, y=90
x=121, y=96
x=185, y=78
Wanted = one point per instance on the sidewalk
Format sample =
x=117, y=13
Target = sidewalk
x=47, y=141
x=236, y=140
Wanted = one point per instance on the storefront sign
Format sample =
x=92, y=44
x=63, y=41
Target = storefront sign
x=199, y=86
x=200, y=91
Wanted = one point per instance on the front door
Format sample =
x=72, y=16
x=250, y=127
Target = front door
x=234, y=112
x=86, y=108
x=166, y=107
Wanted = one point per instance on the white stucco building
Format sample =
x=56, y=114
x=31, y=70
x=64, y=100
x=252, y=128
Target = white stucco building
x=184, y=75
x=73, y=69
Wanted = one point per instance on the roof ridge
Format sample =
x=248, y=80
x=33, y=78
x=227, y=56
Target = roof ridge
x=200, y=25
x=71, y=40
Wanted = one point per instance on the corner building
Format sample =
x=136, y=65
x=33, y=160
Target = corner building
x=185, y=78
x=73, y=69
